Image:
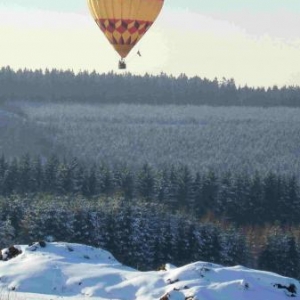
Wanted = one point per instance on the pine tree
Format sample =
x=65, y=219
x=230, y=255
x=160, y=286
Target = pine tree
x=79, y=183
x=125, y=181
x=11, y=178
x=165, y=250
x=209, y=243
x=209, y=193
x=271, y=196
x=106, y=180
x=51, y=173
x=37, y=177
x=123, y=233
x=197, y=186
x=173, y=189
x=83, y=226
x=25, y=175
x=280, y=255
x=7, y=233
x=185, y=189
x=89, y=186
x=240, y=207
x=256, y=200
x=163, y=186
x=3, y=169
x=183, y=254
x=64, y=179
x=234, y=248
x=146, y=183
x=292, y=263
x=225, y=197
x=290, y=202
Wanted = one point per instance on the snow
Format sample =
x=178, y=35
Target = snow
x=74, y=271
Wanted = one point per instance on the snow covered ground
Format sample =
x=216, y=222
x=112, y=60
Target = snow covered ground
x=73, y=271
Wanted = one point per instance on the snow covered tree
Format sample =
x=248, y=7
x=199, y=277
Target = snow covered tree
x=146, y=183
x=11, y=178
x=37, y=177
x=280, y=255
x=209, y=243
x=3, y=168
x=25, y=175
x=185, y=189
x=234, y=248
x=50, y=174
x=7, y=233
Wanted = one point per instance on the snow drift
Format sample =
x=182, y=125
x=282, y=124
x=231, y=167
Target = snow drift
x=74, y=271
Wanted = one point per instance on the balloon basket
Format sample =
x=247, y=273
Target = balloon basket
x=122, y=65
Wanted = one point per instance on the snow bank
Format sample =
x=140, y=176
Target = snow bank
x=80, y=271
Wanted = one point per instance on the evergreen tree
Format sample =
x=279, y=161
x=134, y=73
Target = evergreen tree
x=209, y=193
x=125, y=181
x=173, y=189
x=146, y=183
x=241, y=205
x=234, y=248
x=163, y=186
x=79, y=183
x=11, y=178
x=25, y=175
x=123, y=233
x=64, y=179
x=209, y=243
x=185, y=189
x=225, y=197
x=256, y=200
x=164, y=250
x=271, y=195
x=92, y=181
x=7, y=233
x=290, y=202
x=83, y=227
x=37, y=177
x=197, y=186
x=50, y=174
x=3, y=168
x=106, y=180
x=280, y=255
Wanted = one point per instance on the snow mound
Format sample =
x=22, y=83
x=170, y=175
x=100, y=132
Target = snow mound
x=45, y=271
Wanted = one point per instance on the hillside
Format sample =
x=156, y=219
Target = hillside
x=74, y=271
x=222, y=139
x=18, y=135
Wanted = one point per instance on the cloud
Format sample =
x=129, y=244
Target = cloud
x=282, y=24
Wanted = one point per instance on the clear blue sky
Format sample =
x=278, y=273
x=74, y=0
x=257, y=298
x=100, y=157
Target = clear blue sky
x=256, y=42
x=199, y=5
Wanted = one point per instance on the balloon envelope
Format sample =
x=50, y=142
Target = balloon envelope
x=124, y=22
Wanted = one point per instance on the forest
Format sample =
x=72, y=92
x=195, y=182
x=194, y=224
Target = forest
x=67, y=87
x=221, y=139
x=154, y=169
x=148, y=217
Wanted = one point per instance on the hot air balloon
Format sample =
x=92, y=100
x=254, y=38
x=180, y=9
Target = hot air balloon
x=124, y=22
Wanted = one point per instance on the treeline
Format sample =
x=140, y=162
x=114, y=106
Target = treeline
x=236, y=198
x=66, y=86
x=144, y=235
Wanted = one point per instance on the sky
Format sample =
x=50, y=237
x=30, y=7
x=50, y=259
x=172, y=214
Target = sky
x=255, y=42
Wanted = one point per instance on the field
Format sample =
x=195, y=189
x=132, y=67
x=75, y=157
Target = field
x=218, y=138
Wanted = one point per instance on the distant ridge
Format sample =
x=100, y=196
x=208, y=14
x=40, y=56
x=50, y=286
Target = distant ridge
x=91, y=87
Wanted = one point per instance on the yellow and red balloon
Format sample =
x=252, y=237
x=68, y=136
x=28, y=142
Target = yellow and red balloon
x=124, y=22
